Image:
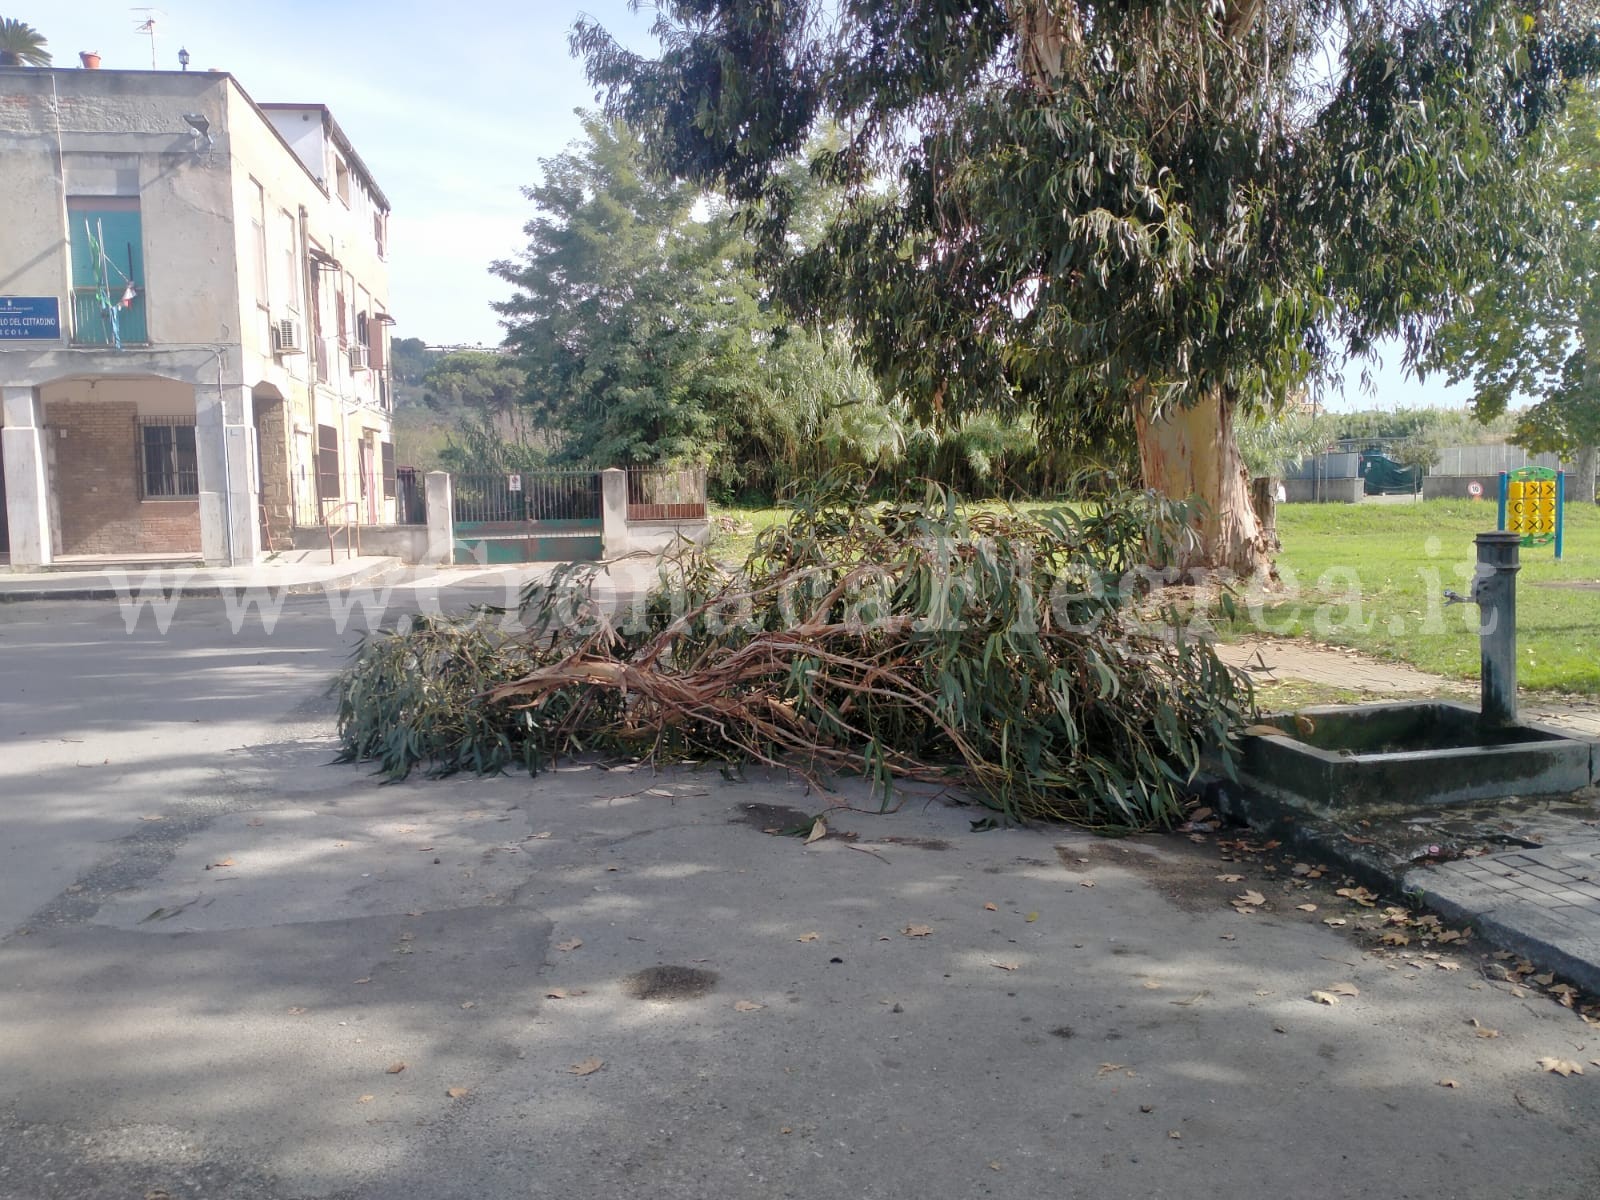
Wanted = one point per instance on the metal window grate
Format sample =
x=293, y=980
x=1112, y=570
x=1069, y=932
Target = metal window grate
x=168, y=467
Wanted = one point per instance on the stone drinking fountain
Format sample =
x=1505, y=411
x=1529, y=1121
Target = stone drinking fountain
x=1430, y=753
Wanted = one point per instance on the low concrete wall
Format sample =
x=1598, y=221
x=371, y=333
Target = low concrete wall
x=408, y=543
x=655, y=536
x=1328, y=491
x=1454, y=487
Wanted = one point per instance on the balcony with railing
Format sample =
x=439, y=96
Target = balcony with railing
x=93, y=324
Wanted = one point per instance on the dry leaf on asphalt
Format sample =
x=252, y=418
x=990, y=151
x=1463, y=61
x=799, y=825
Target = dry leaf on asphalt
x=1395, y=939
x=819, y=830
x=1252, y=898
x=1108, y=1069
x=297, y=1011
x=1324, y=997
x=556, y=994
x=1230, y=878
x=455, y=1093
x=747, y=1006
x=990, y=908
x=808, y=937
x=1449, y=1083
x=917, y=930
x=367, y=979
x=367, y=1099
x=1560, y=1066
x=1032, y=917
x=469, y=1004
x=587, y=1067
x=1334, y=921
x=394, y=1068
x=1344, y=989
x=1005, y=966
x=1483, y=1030
x=569, y=944
x=1306, y=907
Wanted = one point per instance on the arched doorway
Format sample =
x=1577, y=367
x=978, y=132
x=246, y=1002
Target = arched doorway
x=277, y=515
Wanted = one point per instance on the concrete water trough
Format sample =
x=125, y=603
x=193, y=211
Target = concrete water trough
x=1423, y=754
x=1412, y=755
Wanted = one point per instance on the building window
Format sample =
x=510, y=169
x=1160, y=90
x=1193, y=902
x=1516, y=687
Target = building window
x=386, y=449
x=291, y=266
x=168, y=467
x=341, y=178
x=327, y=464
x=380, y=234
x=258, y=232
x=108, y=282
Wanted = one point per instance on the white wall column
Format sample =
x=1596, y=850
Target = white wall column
x=441, y=551
x=27, y=494
x=230, y=526
x=615, y=540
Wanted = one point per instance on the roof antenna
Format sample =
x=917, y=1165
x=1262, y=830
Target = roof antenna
x=148, y=25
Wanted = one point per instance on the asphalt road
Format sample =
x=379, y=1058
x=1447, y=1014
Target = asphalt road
x=230, y=969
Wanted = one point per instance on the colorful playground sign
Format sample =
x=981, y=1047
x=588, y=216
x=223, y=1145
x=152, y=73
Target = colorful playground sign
x=1530, y=504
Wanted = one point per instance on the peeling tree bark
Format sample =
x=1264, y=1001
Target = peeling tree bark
x=1191, y=452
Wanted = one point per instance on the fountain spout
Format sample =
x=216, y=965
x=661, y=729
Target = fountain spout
x=1494, y=591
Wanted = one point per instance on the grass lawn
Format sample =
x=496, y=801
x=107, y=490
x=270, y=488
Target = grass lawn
x=1371, y=576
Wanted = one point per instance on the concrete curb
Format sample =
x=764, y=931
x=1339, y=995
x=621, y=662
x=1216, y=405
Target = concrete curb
x=367, y=573
x=1527, y=927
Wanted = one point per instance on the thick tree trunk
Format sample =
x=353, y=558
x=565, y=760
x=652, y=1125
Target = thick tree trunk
x=1264, y=499
x=1191, y=452
x=1580, y=488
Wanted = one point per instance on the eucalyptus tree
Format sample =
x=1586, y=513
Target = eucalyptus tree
x=1533, y=329
x=1156, y=210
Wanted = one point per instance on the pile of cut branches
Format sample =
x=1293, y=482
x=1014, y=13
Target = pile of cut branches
x=996, y=652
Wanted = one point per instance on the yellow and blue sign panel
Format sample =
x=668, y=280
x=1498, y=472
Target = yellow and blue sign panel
x=1530, y=505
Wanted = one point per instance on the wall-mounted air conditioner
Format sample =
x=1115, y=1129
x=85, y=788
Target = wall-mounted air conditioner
x=358, y=358
x=287, y=337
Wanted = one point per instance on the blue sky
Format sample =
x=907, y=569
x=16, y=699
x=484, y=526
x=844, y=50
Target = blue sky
x=451, y=105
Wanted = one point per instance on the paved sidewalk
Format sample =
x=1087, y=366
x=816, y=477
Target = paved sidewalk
x=1542, y=903
x=1541, y=900
x=305, y=571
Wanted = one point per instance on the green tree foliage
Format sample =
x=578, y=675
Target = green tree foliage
x=21, y=45
x=635, y=315
x=1450, y=426
x=1168, y=208
x=1270, y=441
x=479, y=382
x=1534, y=326
x=409, y=361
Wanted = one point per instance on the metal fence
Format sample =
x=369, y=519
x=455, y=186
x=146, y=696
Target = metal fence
x=666, y=493
x=527, y=496
x=1452, y=460
x=410, y=497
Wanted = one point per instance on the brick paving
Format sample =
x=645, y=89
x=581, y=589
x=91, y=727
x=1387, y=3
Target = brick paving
x=1542, y=902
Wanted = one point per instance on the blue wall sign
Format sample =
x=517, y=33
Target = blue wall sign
x=30, y=318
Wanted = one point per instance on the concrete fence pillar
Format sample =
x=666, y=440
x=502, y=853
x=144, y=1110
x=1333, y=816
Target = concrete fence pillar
x=27, y=494
x=441, y=550
x=615, y=541
x=224, y=443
